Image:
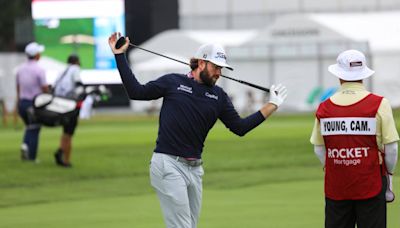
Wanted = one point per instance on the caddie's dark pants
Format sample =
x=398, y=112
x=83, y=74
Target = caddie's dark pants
x=369, y=213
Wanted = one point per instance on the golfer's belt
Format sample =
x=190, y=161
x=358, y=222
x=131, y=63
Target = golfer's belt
x=195, y=162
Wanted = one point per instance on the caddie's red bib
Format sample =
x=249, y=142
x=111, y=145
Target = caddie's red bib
x=352, y=168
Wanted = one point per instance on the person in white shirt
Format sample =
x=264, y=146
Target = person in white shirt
x=65, y=86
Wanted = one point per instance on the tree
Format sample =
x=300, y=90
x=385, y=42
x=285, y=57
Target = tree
x=10, y=12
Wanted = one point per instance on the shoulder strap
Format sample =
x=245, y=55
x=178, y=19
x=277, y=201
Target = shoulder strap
x=61, y=77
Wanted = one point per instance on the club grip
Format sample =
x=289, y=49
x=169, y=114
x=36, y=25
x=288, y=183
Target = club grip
x=120, y=42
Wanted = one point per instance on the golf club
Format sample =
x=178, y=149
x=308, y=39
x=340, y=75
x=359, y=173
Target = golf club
x=121, y=41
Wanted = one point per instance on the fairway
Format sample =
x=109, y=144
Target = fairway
x=269, y=178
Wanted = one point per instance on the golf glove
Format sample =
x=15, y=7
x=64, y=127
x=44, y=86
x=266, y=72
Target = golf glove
x=389, y=190
x=277, y=94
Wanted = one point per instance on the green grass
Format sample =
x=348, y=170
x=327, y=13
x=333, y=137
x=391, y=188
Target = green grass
x=269, y=178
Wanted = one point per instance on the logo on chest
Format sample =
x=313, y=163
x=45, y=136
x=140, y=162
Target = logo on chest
x=212, y=96
x=184, y=88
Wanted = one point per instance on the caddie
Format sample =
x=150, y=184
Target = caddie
x=355, y=138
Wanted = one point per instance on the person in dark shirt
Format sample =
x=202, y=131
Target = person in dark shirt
x=192, y=104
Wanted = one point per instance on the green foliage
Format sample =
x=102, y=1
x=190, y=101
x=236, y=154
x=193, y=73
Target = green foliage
x=11, y=11
x=60, y=51
x=268, y=178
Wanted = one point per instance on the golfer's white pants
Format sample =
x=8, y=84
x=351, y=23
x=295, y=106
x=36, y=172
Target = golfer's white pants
x=179, y=189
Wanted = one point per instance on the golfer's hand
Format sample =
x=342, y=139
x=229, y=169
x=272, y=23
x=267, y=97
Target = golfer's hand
x=277, y=94
x=112, y=40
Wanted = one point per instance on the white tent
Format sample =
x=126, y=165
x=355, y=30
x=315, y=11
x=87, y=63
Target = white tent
x=382, y=31
x=185, y=42
x=294, y=50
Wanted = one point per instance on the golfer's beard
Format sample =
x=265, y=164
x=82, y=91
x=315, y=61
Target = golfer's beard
x=207, y=79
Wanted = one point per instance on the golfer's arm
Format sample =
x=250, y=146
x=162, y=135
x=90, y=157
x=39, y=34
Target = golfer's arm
x=236, y=124
x=268, y=109
x=136, y=91
x=128, y=78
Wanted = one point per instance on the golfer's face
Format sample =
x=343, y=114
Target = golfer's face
x=211, y=73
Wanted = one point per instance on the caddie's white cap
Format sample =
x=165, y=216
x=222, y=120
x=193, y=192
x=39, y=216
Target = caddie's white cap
x=33, y=49
x=351, y=66
x=214, y=53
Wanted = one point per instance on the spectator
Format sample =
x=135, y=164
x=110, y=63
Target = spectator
x=8, y=108
x=250, y=103
x=31, y=81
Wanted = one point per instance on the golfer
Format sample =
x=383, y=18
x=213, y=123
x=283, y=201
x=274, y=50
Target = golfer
x=355, y=138
x=192, y=104
x=31, y=81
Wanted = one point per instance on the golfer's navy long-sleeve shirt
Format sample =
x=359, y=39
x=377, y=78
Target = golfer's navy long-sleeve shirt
x=189, y=110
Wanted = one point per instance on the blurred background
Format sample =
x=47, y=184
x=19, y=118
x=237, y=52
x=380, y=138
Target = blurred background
x=270, y=178
x=268, y=41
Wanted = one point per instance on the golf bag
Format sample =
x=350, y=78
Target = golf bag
x=51, y=110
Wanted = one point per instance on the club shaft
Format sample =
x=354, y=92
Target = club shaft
x=247, y=83
x=155, y=53
x=179, y=61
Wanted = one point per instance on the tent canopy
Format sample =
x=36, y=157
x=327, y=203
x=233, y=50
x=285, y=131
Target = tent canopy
x=185, y=42
x=380, y=29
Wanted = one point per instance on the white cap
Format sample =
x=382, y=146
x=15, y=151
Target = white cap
x=33, y=48
x=214, y=53
x=351, y=66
